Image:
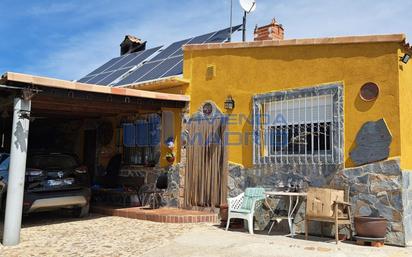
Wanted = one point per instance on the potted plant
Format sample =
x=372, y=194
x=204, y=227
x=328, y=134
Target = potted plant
x=170, y=157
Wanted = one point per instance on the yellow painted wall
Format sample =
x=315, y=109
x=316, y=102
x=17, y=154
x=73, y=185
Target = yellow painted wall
x=405, y=97
x=177, y=128
x=244, y=72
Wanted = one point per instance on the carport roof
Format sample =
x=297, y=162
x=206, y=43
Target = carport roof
x=19, y=78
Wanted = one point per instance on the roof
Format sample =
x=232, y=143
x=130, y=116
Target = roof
x=163, y=83
x=11, y=77
x=151, y=64
x=399, y=38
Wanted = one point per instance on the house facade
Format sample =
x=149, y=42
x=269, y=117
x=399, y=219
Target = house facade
x=309, y=112
x=271, y=113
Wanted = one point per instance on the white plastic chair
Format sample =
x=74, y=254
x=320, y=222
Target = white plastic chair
x=243, y=206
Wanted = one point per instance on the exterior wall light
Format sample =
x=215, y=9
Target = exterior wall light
x=229, y=103
x=405, y=58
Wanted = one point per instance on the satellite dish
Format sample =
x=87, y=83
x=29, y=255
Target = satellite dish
x=248, y=5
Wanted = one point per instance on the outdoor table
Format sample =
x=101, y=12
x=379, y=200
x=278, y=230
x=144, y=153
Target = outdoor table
x=293, y=203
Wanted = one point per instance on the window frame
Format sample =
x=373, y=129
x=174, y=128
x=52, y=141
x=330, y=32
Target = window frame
x=262, y=152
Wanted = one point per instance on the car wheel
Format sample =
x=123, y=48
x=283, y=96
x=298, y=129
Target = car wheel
x=82, y=212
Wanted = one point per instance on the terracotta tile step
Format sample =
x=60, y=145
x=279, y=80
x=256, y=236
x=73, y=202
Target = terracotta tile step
x=165, y=215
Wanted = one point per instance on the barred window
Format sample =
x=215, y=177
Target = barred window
x=299, y=126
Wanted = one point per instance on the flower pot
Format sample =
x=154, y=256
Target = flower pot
x=373, y=227
x=342, y=237
x=170, y=159
x=224, y=210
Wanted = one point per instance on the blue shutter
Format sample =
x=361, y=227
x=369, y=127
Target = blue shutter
x=142, y=133
x=154, y=130
x=129, y=135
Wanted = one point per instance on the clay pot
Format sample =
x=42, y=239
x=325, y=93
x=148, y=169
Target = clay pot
x=170, y=159
x=224, y=210
x=373, y=227
x=342, y=237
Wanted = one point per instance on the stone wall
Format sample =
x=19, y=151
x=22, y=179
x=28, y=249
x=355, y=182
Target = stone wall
x=381, y=188
x=407, y=205
x=171, y=196
x=376, y=190
x=274, y=176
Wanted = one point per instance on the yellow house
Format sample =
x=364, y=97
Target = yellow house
x=245, y=69
x=279, y=114
x=320, y=95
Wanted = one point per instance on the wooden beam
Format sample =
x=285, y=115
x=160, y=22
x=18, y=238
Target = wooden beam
x=64, y=84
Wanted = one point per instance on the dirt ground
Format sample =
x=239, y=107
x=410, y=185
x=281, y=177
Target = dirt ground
x=98, y=235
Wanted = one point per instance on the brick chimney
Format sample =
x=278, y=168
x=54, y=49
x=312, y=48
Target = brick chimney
x=272, y=31
x=131, y=44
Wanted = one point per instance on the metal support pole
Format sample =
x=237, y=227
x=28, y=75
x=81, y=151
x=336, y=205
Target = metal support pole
x=244, y=27
x=15, y=187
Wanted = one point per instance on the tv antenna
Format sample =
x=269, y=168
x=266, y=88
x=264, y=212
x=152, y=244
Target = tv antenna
x=248, y=6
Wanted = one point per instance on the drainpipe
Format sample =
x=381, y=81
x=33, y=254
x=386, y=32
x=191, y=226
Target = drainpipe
x=17, y=170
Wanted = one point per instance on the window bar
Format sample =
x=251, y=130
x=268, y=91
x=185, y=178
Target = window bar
x=293, y=129
x=318, y=96
x=254, y=132
x=312, y=129
x=331, y=129
x=258, y=123
x=287, y=129
x=299, y=129
x=325, y=131
x=264, y=130
x=268, y=125
x=340, y=100
x=273, y=126
x=281, y=132
x=306, y=138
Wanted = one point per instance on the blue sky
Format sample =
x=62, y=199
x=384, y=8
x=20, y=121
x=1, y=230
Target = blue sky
x=67, y=39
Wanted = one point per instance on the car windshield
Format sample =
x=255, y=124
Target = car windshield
x=60, y=161
x=4, y=164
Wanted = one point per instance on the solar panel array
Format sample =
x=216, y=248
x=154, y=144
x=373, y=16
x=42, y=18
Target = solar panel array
x=116, y=67
x=138, y=67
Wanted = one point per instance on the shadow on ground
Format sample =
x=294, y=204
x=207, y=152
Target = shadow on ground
x=276, y=234
x=48, y=218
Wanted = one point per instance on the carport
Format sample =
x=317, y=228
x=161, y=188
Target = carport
x=29, y=97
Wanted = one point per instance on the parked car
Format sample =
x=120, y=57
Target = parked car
x=53, y=181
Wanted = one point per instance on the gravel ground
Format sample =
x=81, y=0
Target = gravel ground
x=99, y=235
x=95, y=236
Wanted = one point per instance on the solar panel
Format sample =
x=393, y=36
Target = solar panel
x=175, y=70
x=117, y=67
x=113, y=76
x=138, y=73
x=133, y=59
x=169, y=62
x=85, y=79
x=104, y=66
x=170, y=50
x=160, y=69
x=222, y=35
x=98, y=77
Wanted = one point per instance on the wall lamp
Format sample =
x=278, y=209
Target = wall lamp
x=229, y=103
x=405, y=58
